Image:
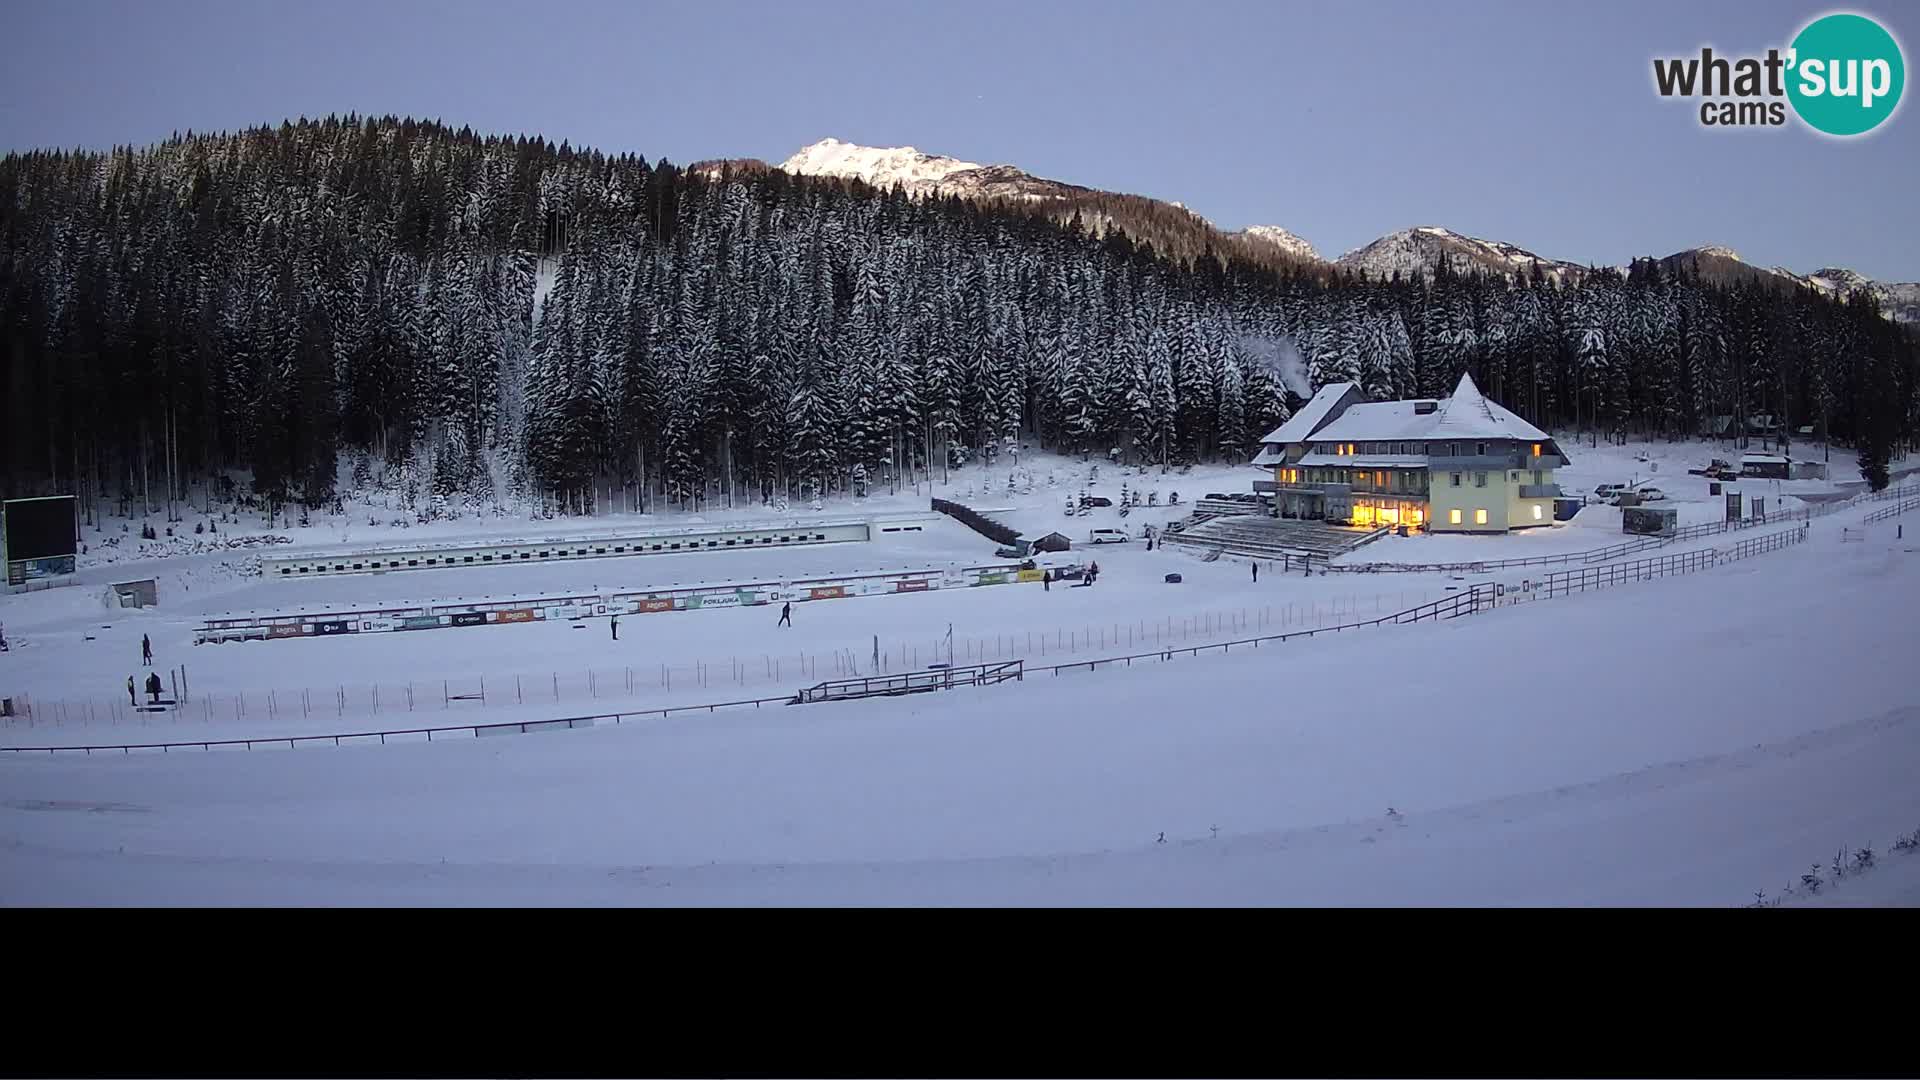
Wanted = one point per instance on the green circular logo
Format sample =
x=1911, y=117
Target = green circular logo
x=1845, y=74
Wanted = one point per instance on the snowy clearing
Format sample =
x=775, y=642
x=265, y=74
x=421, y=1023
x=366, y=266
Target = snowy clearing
x=1625, y=756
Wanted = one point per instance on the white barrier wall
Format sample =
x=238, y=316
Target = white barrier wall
x=557, y=608
x=755, y=535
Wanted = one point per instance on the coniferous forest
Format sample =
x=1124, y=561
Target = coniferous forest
x=502, y=321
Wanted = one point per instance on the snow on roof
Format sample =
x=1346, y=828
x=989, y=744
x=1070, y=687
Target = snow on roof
x=1377, y=420
x=1311, y=415
x=1773, y=458
x=1466, y=415
x=1469, y=414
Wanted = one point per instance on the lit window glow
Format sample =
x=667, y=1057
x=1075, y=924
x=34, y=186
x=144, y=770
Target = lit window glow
x=1479, y=517
x=1537, y=513
x=1453, y=517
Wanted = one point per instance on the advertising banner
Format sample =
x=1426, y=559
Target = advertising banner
x=1031, y=575
x=830, y=592
x=334, y=626
x=516, y=615
x=420, y=622
x=282, y=630
x=469, y=618
x=658, y=603
x=916, y=585
x=21, y=571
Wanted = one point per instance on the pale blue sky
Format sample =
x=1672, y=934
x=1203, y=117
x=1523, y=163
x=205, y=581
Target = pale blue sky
x=1534, y=123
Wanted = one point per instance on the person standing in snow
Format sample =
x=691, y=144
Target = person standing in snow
x=146, y=651
x=131, y=699
x=1256, y=571
x=153, y=687
x=786, y=614
x=1046, y=581
x=615, y=623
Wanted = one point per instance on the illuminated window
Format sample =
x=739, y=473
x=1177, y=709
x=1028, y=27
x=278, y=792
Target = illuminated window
x=1536, y=449
x=1416, y=516
x=1453, y=517
x=1537, y=513
x=1363, y=515
x=1389, y=515
x=1479, y=517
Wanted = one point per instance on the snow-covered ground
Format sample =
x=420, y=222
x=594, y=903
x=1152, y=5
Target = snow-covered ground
x=1747, y=741
x=1528, y=755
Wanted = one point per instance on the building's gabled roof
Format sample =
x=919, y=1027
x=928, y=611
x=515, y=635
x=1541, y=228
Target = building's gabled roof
x=1465, y=415
x=1469, y=415
x=1767, y=459
x=1301, y=425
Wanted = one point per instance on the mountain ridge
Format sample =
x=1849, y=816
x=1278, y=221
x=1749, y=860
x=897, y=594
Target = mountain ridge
x=1405, y=252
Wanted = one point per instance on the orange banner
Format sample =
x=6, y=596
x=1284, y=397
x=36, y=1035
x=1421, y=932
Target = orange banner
x=832, y=592
x=518, y=615
x=665, y=604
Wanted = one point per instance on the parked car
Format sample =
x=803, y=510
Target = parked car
x=1108, y=536
x=1608, y=492
x=1650, y=494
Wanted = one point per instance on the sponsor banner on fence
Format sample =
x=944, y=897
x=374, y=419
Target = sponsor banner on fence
x=335, y=626
x=420, y=622
x=991, y=579
x=517, y=615
x=469, y=618
x=280, y=630
x=916, y=585
x=21, y=571
x=1031, y=575
x=830, y=592
x=657, y=603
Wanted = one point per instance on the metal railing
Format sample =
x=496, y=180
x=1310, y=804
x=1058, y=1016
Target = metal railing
x=1467, y=602
x=1893, y=511
x=423, y=734
x=1566, y=582
x=912, y=682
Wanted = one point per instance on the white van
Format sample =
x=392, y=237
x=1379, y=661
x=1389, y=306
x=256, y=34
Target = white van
x=1108, y=536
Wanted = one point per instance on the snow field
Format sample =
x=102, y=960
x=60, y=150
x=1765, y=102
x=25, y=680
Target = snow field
x=1623, y=757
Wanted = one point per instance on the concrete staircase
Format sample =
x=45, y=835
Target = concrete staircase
x=1257, y=536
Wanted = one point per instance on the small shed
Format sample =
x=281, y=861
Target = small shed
x=1053, y=541
x=1766, y=466
x=1564, y=508
x=136, y=594
x=1809, y=470
x=1649, y=520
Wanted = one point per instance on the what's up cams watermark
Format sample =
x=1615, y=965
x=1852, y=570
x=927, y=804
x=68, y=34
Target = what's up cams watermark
x=1842, y=76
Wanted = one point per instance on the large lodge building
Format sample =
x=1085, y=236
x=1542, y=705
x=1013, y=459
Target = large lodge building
x=1462, y=464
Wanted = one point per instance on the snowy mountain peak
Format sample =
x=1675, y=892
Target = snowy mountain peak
x=1418, y=249
x=1719, y=250
x=1281, y=238
x=880, y=166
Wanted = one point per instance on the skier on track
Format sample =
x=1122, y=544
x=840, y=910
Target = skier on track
x=786, y=614
x=146, y=651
